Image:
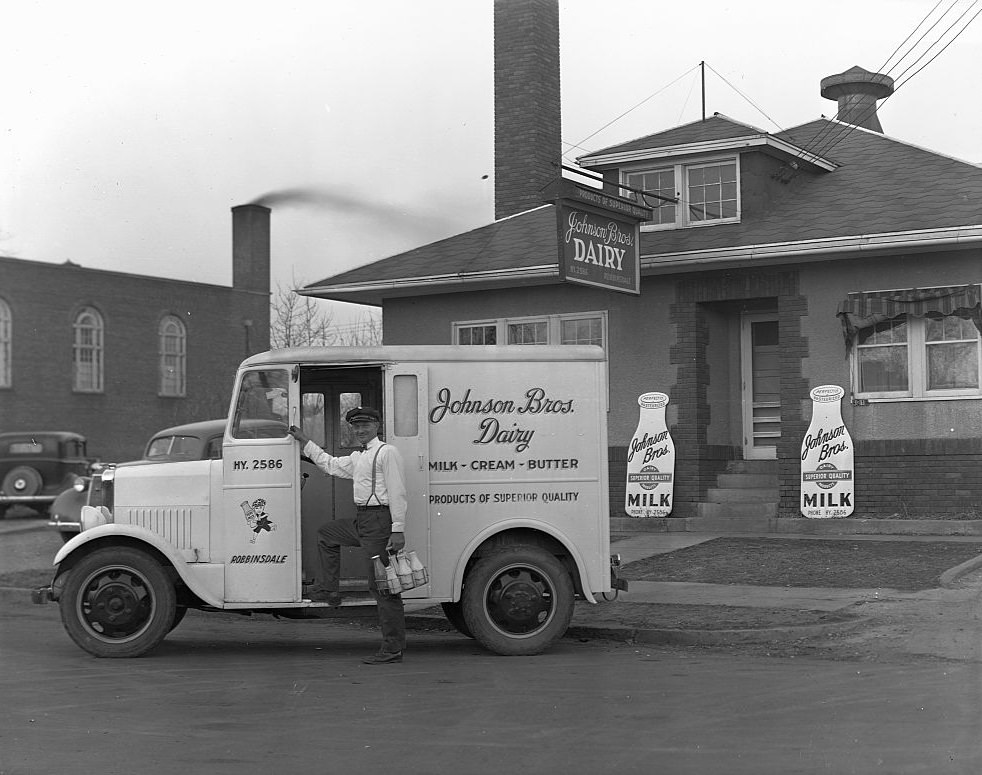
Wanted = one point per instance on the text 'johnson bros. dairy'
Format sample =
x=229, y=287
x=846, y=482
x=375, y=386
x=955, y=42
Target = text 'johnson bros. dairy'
x=827, y=481
x=496, y=427
x=650, y=461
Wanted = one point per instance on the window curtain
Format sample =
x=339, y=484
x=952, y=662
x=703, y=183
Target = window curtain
x=862, y=310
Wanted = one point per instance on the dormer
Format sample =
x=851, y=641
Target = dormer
x=692, y=175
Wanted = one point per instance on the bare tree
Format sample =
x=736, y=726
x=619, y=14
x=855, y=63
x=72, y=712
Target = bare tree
x=301, y=321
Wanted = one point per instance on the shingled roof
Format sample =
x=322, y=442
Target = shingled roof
x=881, y=186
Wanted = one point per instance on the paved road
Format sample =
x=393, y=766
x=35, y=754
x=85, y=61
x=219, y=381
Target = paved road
x=227, y=694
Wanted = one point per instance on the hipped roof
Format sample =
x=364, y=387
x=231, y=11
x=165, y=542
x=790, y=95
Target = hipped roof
x=880, y=186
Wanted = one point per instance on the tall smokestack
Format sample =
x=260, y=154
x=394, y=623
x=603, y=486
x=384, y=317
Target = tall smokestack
x=857, y=91
x=250, y=248
x=527, y=112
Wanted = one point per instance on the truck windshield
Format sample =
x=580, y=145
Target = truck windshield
x=263, y=395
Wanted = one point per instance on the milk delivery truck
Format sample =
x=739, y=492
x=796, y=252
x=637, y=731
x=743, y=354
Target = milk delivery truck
x=505, y=450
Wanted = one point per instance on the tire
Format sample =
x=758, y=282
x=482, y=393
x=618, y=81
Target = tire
x=118, y=602
x=518, y=600
x=179, y=613
x=455, y=615
x=22, y=480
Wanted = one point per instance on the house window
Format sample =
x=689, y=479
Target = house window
x=915, y=344
x=87, y=352
x=6, y=335
x=529, y=332
x=477, y=333
x=172, y=337
x=707, y=193
x=576, y=328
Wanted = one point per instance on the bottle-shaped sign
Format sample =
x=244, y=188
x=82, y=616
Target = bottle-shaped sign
x=827, y=482
x=650, y=461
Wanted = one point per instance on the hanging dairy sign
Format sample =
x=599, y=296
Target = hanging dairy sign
x=650, y=461
x=827, y=469
x=598, y=239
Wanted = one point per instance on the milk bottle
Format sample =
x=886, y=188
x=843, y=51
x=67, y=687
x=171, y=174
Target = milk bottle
x=650, y=461
x=827, y=484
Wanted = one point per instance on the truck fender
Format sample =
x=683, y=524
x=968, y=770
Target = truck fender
x=143, y=535
x=511, y=524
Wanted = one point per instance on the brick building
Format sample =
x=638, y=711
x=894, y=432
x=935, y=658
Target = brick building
x=116, y=356
x=829, y=253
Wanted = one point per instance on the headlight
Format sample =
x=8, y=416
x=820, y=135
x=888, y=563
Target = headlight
x=80, y=484
x=93, y=517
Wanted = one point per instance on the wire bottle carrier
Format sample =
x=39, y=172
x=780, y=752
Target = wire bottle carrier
x=400, y=572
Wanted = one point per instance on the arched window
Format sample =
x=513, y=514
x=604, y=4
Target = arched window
x=87, y=351
x=173, y=356
x=6, y=336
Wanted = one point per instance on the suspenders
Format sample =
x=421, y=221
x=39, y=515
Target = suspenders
x=372, y=494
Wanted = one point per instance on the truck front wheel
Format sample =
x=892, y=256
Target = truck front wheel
x=518, y=600
x=118, y=602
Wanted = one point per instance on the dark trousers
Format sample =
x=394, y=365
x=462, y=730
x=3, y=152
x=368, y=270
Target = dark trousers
x=370, y=529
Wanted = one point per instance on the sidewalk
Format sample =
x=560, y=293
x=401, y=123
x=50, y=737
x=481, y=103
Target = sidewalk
x=631, y=615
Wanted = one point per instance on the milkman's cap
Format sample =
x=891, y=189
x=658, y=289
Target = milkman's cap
x=363, y=413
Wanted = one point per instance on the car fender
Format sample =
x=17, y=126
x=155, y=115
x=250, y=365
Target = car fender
x=512, y=524
x=105, y=534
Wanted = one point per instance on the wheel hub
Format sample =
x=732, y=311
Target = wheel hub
x=116, y=604
x=519, y=601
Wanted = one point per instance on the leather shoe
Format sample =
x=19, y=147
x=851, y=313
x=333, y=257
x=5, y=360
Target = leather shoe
x=383, y=658
x=331, y=597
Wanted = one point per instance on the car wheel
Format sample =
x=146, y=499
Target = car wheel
x=22, y=480
x=518, y=600
x=118, y=602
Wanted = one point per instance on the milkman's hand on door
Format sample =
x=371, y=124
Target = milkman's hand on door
x=299, y=436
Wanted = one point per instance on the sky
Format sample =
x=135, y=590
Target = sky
x=129, y=130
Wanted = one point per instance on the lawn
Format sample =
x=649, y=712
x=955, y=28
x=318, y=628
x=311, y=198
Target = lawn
x=788, y=562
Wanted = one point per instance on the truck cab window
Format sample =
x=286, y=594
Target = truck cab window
x=262, y=407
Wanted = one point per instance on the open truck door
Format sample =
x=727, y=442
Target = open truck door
x=260, y=491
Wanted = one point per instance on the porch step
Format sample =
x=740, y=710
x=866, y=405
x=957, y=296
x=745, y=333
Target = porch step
x=740, y=494
x=744, y=500
x=768, y=481
x=744, y=510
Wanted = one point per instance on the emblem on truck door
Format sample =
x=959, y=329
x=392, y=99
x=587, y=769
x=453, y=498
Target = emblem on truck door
x=257, y=518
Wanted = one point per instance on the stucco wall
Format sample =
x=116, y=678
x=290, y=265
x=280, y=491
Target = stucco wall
x=826, y=286
x=639, y=333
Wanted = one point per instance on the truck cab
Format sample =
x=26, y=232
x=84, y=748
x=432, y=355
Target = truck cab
x=505, y=455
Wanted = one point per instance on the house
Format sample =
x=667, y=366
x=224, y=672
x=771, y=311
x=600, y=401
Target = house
x=770, y=264
x=117, y=356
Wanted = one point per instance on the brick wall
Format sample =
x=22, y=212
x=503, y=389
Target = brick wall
x=44, y=300
x=527, y=117
x=918, y=478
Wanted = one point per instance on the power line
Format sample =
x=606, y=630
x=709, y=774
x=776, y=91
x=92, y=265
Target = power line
x=630, y=110
x=840, y=131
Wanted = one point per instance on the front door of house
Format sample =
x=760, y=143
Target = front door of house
x=761, y=385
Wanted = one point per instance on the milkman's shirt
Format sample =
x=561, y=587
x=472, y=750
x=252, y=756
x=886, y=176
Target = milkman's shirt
x=390, y=481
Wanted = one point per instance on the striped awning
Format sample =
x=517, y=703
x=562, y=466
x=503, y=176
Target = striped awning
x=868, y=308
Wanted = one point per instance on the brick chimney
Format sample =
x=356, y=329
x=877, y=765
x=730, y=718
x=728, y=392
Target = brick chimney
x=857, y=91
x=527, y=113
x=251, y=248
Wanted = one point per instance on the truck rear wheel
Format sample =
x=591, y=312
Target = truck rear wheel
x=455, y=615
x=518, y=600
x=118, y=602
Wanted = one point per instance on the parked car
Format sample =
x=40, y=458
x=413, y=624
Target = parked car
x=191, y=441
x=35, y=466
